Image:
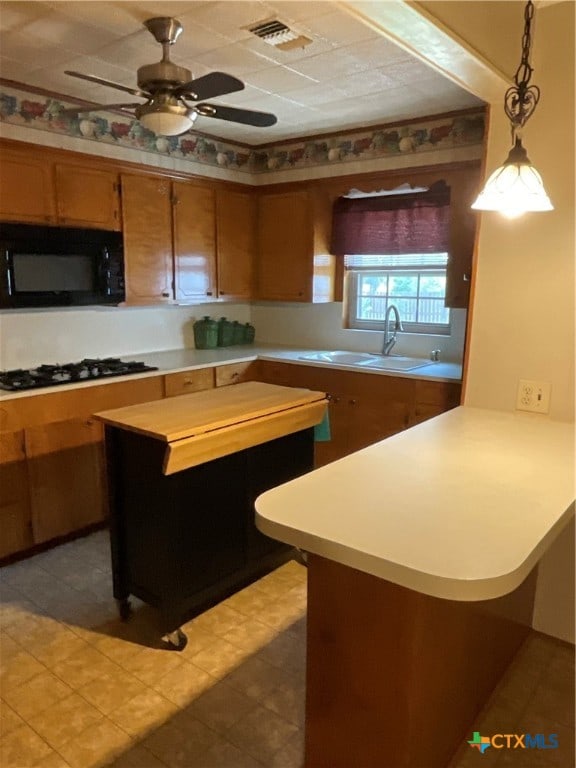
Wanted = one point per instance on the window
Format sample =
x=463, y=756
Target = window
x=415, y=283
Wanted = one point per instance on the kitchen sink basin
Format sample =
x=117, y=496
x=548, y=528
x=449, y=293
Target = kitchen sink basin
x=341, y=358
x=397, y=363
x=367, y=360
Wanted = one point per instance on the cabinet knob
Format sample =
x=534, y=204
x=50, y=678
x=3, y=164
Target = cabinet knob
x=188, y=381
x=208, y=293
x=165, y=294
x=222, y=293
x=235, y=375
x=353, y=401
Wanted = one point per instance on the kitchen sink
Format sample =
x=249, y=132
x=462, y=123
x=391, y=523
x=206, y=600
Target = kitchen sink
x=368, y=360
x=341, y=358
x=397, y=363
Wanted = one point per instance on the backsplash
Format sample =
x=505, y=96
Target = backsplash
x=32, y=337
x=458, y=131
x=319, y=326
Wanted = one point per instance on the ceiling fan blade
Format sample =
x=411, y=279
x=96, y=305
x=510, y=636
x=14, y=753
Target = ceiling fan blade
x=235, y=115
x=109, y=83
x=98, y=108
x=209, y=86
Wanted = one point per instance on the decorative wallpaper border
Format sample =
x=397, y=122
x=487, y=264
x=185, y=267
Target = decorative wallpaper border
x=18, y=107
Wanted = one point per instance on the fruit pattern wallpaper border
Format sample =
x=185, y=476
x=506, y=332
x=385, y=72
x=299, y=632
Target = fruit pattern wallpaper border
x=18, y=107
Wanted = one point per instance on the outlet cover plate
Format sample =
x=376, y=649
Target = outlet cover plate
x=533, y=396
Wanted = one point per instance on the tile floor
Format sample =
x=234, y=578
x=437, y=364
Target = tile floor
x=81, y=689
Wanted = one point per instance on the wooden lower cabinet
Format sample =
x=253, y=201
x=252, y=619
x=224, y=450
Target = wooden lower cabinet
x=15, y=514
x=364, y=408
x=67, y=477
x=186, y=382
x=236, y=373
x=52, y=464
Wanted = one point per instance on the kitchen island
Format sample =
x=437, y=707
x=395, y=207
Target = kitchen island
x=183, y=474
x=423, y=550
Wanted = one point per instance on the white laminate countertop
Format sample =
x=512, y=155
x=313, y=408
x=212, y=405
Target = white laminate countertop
x=461, y=507
x=176, y=360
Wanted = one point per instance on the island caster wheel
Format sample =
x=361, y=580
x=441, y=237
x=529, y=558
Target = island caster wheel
x=175, y=641
x=124, y=609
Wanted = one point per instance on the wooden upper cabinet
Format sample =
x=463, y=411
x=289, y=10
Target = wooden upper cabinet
x=194, y=242
x=147, y=223
x=26, y=188
x=464, y=188
x=294, y=263
x=285, y=247
x=87, y=197
x=236, y=243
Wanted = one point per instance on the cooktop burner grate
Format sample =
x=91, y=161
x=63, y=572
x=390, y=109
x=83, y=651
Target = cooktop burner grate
x=69, y=373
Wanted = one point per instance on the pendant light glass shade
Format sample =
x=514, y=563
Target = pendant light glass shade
x=514, y=188
x=517, y=187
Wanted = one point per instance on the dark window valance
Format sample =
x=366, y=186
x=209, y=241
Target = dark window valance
x=416, y=222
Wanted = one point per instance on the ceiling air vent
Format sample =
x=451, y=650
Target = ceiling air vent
x=276, y=33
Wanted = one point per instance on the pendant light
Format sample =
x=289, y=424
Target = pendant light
x=517, y=187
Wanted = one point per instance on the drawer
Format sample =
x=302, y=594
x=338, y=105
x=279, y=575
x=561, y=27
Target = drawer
x=185, y=382
x=236, y=373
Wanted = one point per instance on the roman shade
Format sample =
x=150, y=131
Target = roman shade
x=401, y=223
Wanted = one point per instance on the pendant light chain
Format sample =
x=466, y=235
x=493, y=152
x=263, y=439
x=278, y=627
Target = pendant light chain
x=520, y=100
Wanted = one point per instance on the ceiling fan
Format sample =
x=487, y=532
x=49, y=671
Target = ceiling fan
x=169, y=88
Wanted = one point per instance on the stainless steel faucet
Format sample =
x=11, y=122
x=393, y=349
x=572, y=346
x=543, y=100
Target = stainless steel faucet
x=388, y=343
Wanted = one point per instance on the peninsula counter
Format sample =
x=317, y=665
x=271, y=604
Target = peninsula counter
x=423, y=555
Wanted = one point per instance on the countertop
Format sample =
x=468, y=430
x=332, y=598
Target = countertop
x=460, y=507
x=176, y=418
x=173, y=361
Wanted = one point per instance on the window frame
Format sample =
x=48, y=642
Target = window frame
x=351, y=289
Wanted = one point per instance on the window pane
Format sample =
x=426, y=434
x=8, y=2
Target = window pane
x=373, y=284
x=403, y=285
x=432, y=311
x=407, y=308
x=372, y=308
x=433, y=285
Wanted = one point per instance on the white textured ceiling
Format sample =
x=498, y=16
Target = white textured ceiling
x=348, y=77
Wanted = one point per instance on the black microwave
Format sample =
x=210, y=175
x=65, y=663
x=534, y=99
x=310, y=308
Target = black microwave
x=60, y=266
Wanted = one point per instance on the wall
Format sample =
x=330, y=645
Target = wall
x=32, y=337
x=523, y=312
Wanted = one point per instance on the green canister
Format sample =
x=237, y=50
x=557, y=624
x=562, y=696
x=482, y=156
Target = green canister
x=237, y=333
x=225, y=332
x=206, y=333
x=249, y=334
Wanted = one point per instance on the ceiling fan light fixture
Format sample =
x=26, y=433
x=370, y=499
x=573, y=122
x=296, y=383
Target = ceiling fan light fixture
x=166, y=120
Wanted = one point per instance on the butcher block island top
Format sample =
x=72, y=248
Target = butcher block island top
x=206, y=425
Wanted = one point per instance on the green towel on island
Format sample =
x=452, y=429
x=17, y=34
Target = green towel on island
x=322, y=430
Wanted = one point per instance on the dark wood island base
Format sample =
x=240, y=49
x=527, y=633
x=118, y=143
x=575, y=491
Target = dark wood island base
x=395, y=678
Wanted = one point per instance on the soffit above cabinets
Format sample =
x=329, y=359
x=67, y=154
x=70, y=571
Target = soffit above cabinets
x=348, y=76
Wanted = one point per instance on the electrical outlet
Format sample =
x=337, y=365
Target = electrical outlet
x=533, y=396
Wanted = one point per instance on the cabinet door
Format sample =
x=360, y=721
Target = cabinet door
x=236, y=244
x=15, y=516
x=194, y=243
x=87, y=197
x=285, y=247
x=26, y=189
x=433, y=398
x=67, y=477
x=147, y=220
